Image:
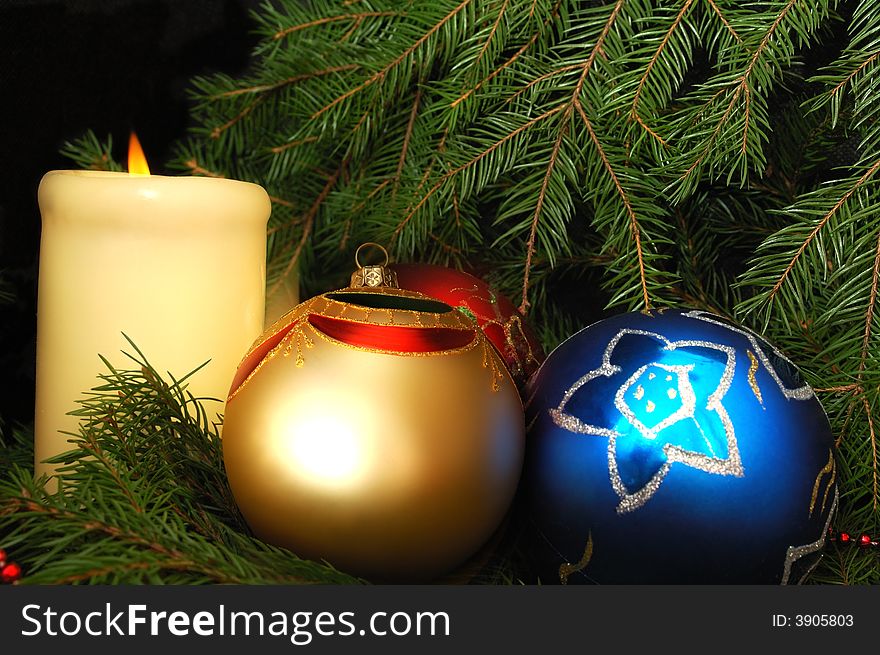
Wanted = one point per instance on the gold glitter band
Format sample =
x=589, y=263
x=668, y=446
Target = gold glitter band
x=827, y=470
x=565, y=570
x=753, y=382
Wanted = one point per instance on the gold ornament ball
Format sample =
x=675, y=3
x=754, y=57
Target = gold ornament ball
x=375, y=429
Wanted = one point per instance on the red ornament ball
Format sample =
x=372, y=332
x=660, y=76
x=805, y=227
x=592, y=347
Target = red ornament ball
x=10, y=573
x=500, y=321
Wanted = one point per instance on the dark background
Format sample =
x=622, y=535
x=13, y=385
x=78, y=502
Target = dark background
x=106, y=65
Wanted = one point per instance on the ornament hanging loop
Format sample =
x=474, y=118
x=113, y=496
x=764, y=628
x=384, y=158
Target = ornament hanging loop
x=376, y=275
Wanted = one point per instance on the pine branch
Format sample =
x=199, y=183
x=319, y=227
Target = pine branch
x=735, y=98
x=475, y=160
x=309, y=222
x=395, y=62
x=634, y=222
x=91, y=153
x=863, y=359
x=724, y=20
x=676, y=24
x=530, y=244
x=819, y=226
x=142, y=497
x=331, y=19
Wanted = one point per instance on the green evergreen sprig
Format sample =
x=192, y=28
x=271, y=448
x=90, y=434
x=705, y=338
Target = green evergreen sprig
x=141, y=497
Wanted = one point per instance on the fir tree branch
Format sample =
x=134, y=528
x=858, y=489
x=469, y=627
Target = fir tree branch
x=90, y=445
x=759, y=51
x=869, y=324
x=597, y=48
x=873, y=437
x=494, y=29
x=710, y=142
x=747, y=111
x=724, y=20
x=530, y=244
x=275, y=86
x=309, y=221
x=240, y=116
x=819, y=226
x=196, y=169
x=849, y=78
x=282, y=202
x=766, y=40
x=90, y=153
x=169, y=559
x=522, y=128
x=332, y=19
x=516, y=55
x=843, y=388
x=265, y=91
x=541, y=78
x=869, y=314
x=128, y=567
x=573, y=102
x=276, y=150
x=372, y=194
x=634, y=112
x=748, y=87
x=407, y=136
x=634, y=222
x=512, y=59
x=395, y=62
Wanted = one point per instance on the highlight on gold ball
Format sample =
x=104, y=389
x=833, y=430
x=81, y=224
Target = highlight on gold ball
x=377, y=429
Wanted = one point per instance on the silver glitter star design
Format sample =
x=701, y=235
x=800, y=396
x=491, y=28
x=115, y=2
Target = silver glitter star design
x=710, y=463
x=801, y=393
x=685, y=393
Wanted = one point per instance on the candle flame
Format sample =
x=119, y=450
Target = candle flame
x=137, y=161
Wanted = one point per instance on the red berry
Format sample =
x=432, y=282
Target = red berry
x=10, y=573
x=845, y=538
x=2, y=558
x=864, y=540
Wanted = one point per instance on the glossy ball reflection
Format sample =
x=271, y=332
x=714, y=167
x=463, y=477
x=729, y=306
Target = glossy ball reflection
x=675, y=447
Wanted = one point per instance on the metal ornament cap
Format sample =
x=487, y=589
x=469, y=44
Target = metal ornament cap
x=375, y=275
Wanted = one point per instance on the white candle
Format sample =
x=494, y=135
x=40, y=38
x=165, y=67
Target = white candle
x=176, y=263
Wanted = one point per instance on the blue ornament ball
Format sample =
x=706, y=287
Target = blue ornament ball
x=675, y=447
